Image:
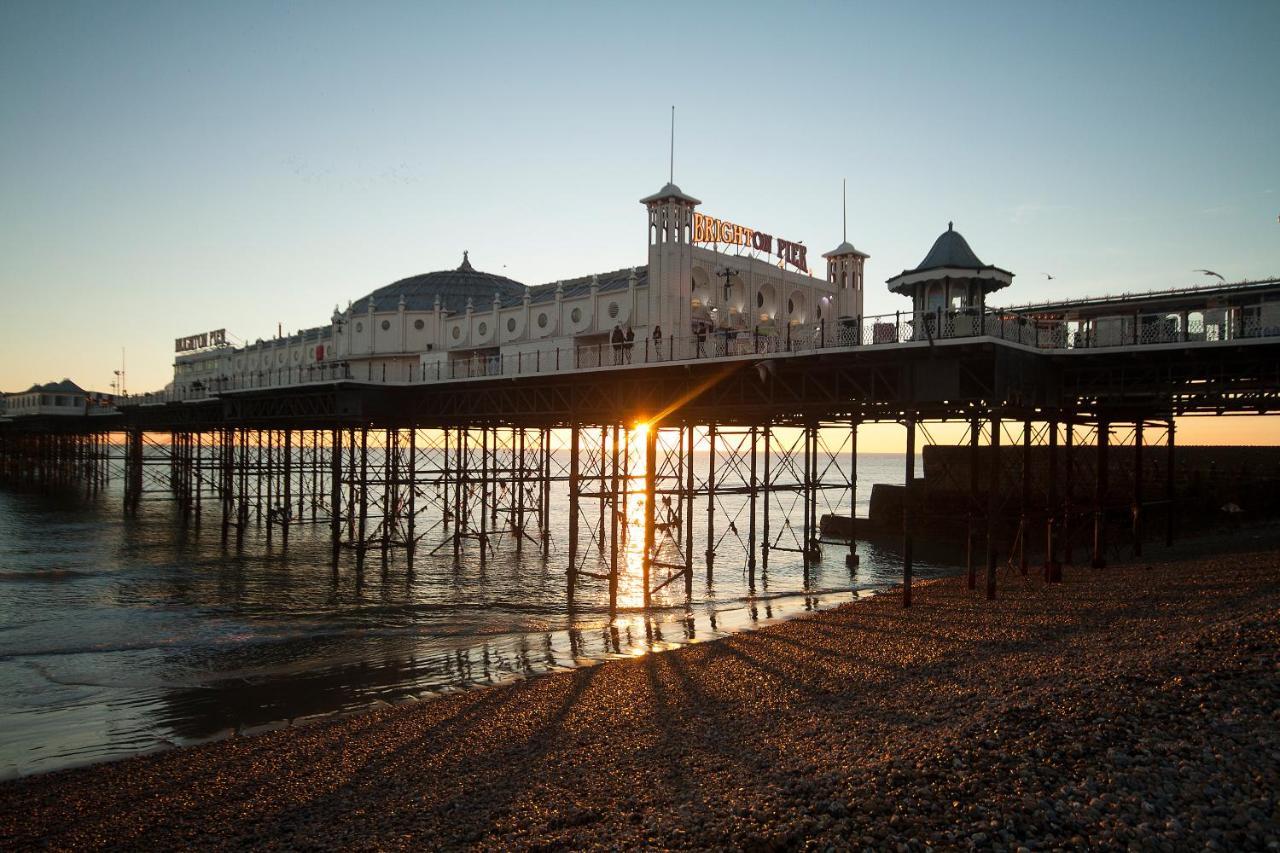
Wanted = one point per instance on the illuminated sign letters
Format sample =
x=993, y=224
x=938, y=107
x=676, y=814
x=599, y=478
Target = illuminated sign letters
x=216, y=338
x=708, y=229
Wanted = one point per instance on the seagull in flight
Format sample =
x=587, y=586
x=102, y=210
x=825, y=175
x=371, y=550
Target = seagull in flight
x=1049, y=277
x=1212, y=273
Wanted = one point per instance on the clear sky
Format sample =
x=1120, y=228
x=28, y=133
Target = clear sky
x=169, y=168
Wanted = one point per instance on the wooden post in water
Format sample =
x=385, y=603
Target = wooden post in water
x=908, y=509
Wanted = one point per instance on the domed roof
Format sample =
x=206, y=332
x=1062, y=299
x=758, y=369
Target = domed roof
x=454, y=287
x=950, y=250
x=949, y=257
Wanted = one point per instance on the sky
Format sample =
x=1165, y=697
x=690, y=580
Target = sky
x=171, y=168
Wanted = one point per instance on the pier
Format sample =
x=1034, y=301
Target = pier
x=398, y=467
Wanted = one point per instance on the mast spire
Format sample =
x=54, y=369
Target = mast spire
x=672, y=175
x=844, y=204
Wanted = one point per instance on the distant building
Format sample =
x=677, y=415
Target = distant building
x=56, y=398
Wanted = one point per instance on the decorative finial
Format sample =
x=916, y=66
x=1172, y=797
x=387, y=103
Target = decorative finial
x=466, y=263
x=950, y=226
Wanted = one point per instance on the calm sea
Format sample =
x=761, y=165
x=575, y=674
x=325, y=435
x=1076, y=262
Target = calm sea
x=123, y=635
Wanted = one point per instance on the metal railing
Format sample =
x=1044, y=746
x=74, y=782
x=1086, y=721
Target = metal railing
x=1038, y=331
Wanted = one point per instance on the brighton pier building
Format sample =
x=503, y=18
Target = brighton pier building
x=710, y=287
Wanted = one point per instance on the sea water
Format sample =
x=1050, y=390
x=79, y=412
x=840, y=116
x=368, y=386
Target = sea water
x=124, y=634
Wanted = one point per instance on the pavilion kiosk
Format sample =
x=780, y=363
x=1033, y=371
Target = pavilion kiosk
x=948, y=290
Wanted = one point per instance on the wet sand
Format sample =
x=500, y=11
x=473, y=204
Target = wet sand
x=1128, y=706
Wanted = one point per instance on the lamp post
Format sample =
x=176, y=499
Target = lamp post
x=727, y=274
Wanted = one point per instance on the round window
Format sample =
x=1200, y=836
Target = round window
x=511, y=324
x=457, y=332
x=542, y=321
x=576, y=315
x=483, y=330
x=359, y=327
x=613, y=310
x=760, y=300
x=418, y=324
x=386, y=324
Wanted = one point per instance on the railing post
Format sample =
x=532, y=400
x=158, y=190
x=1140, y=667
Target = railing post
x=822, y=333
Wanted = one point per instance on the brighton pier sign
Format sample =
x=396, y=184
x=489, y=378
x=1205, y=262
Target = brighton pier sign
x=708, y=229
x=216, y=338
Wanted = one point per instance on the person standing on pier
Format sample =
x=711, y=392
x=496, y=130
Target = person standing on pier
x=617, y=338
x=630, y=343
x=657, y=341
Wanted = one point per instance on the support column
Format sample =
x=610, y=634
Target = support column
x=574, y=438
x=851, y=559
x=613, y=524
x=711, y=496
x=1052, y=568
x=908, y=510
x=687, y=518
x=1024, y=516
x=410, y=537
x=768, y=485
x=1068, y=507
x=650, y=457
x=1137, y=488
x=975, y=464
x=1170, y=489
x=287, y=509
x=361, y=536
x=335, y=496
x=751, y=524
x=993, y=505
x=1100, y=499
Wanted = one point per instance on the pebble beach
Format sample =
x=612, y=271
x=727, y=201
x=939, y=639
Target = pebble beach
x=1135, y=707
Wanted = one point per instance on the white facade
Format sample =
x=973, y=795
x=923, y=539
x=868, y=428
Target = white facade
x=681, y=294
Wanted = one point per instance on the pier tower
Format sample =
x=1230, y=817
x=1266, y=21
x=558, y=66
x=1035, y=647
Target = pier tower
x=670, y=303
